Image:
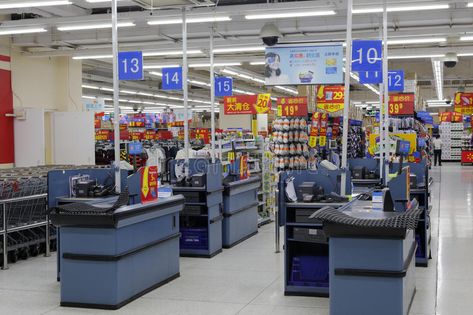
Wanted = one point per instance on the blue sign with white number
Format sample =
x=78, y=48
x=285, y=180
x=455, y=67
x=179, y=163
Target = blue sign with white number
x=130, y=65
x=371, y=77
x=172, y=79
x=366, y=56
x=223, y=86
x=396, y=81
x=135, y=148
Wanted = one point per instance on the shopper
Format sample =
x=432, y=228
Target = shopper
x=437, y=150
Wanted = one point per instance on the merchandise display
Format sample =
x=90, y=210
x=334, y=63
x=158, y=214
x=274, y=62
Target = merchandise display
x=290, y=140
x=451, y=135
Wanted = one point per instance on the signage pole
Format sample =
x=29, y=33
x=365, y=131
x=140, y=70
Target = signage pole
x=381, y=115
x=212, y=92
x=346, y=109
x=385, y=123
x=116, y=87
x=185, y=90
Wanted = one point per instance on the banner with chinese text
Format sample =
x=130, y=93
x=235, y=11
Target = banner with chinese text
x=331, y=98
x=247, y=104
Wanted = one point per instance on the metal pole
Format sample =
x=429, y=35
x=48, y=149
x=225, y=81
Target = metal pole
x=185, y=90
x=381, y=115
x=386, y=93
x=278, y=232
x=5, y=238
x=346, y=109
x=47, y=239
x=212, y=92
x=116, y=87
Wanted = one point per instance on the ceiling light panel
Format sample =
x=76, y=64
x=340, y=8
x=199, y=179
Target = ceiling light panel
x=170, y=53
x=438, y=76
x=93, y=26
x=410, y=41
x=92, y=57
x=238, y=49
x=217, y=64
x=32, y=4
x=190, y=20
x=15, y=31
x=289, y=14
x=367, y=10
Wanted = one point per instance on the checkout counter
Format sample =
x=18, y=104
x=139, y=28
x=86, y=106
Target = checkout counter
x=112, y=249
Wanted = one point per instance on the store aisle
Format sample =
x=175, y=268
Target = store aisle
x=248, y=279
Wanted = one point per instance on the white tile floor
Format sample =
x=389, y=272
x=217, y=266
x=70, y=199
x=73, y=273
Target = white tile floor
x=248, y=279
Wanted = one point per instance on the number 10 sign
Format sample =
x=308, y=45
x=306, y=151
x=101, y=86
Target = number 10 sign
x=366, y=56
x=130, y=65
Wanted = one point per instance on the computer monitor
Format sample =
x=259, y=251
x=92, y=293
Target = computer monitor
x=403, y=147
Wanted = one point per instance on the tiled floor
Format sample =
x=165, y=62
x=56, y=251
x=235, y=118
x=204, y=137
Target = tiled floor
x=248, y=279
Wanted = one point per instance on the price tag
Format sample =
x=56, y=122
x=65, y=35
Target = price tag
x=312, y=141
x=130, y=65
x=401, y=104
x=172, y=79
x=322, y=141
x=263, y=103
x=292, y=106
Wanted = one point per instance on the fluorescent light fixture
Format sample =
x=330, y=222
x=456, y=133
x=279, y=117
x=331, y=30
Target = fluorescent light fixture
x=92, y=57
x=100, y=1
x=367, y=10
x=160, y=66
x=15, y=31
x=145, y=94
x=81, y=27
x=288, y=14
x=89, y=97
x=190, y=20
x=222, y=64
x=170, y=53
x=155, y=73
x=407, y=41
x=238, y=49
x=128, y=92
x=258, y=63
x=416, y=56
x=465, y=54
x=466, y=38
x=32, y=4
x=196, y=82
x=92, y=87
x=106, y=89
x=285, y=89
x=438, y=75
x=470, y=5
x=243, y=76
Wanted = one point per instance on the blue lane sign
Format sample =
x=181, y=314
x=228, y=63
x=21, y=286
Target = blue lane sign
x=366, y=56
x=135, y=148
x=130, y=65
x=371, y=77
x=172, y=78
x=223, y=86
x=396, y=81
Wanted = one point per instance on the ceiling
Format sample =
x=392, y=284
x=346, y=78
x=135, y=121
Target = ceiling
x=446, y=26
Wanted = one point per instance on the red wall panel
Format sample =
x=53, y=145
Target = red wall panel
x=7, y=150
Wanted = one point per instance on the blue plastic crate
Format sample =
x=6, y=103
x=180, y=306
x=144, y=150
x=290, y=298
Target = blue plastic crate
x=312, y=271
x=194, y=238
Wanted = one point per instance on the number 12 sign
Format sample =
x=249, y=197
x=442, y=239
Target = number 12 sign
x=172, y=78
x=130, y=65
x=396, y=81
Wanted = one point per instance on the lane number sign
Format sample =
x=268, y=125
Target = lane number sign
x=223, y=86
x=130, y=65
x=366, y=56
x=172, y=79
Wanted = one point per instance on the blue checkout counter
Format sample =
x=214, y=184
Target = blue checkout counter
x=370, y=176
x=306, y=248
x=108, y=260
x=201, y=219
x=240, y=211
x=372, y=265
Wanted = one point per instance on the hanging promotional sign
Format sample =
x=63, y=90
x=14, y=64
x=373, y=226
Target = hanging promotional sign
x=244, y=172
x=247, y=104
x=103, y=135
x=411, y=137
x=150, y=134
x=202, y=134
x=95, y=105
x=149, y=184
x=331, y=98
x=401, y=104
x=304, y=65
x=463, y=99
x=292, y=106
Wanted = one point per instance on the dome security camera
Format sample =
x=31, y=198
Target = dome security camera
x=270, y=34
x=450, y=60
x=448, y=100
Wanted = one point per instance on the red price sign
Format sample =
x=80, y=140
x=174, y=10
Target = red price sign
x=401, y=104
x=463, y=99
x=102, y=135
x=202, y=134
x=247, y=104
x=292, y=106
x=331, y=98
x=149, y=184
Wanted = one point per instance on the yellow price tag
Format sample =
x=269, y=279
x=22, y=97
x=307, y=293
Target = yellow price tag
x=262, y=105
x=322, y=141
x=312, y=141
x=279, y=110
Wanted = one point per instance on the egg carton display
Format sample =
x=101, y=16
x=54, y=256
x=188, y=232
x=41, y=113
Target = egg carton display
x=456, y=143
x=289, y=143
x=457, y=126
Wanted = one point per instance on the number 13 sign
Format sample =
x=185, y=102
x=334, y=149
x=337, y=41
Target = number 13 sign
x=130, y=65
